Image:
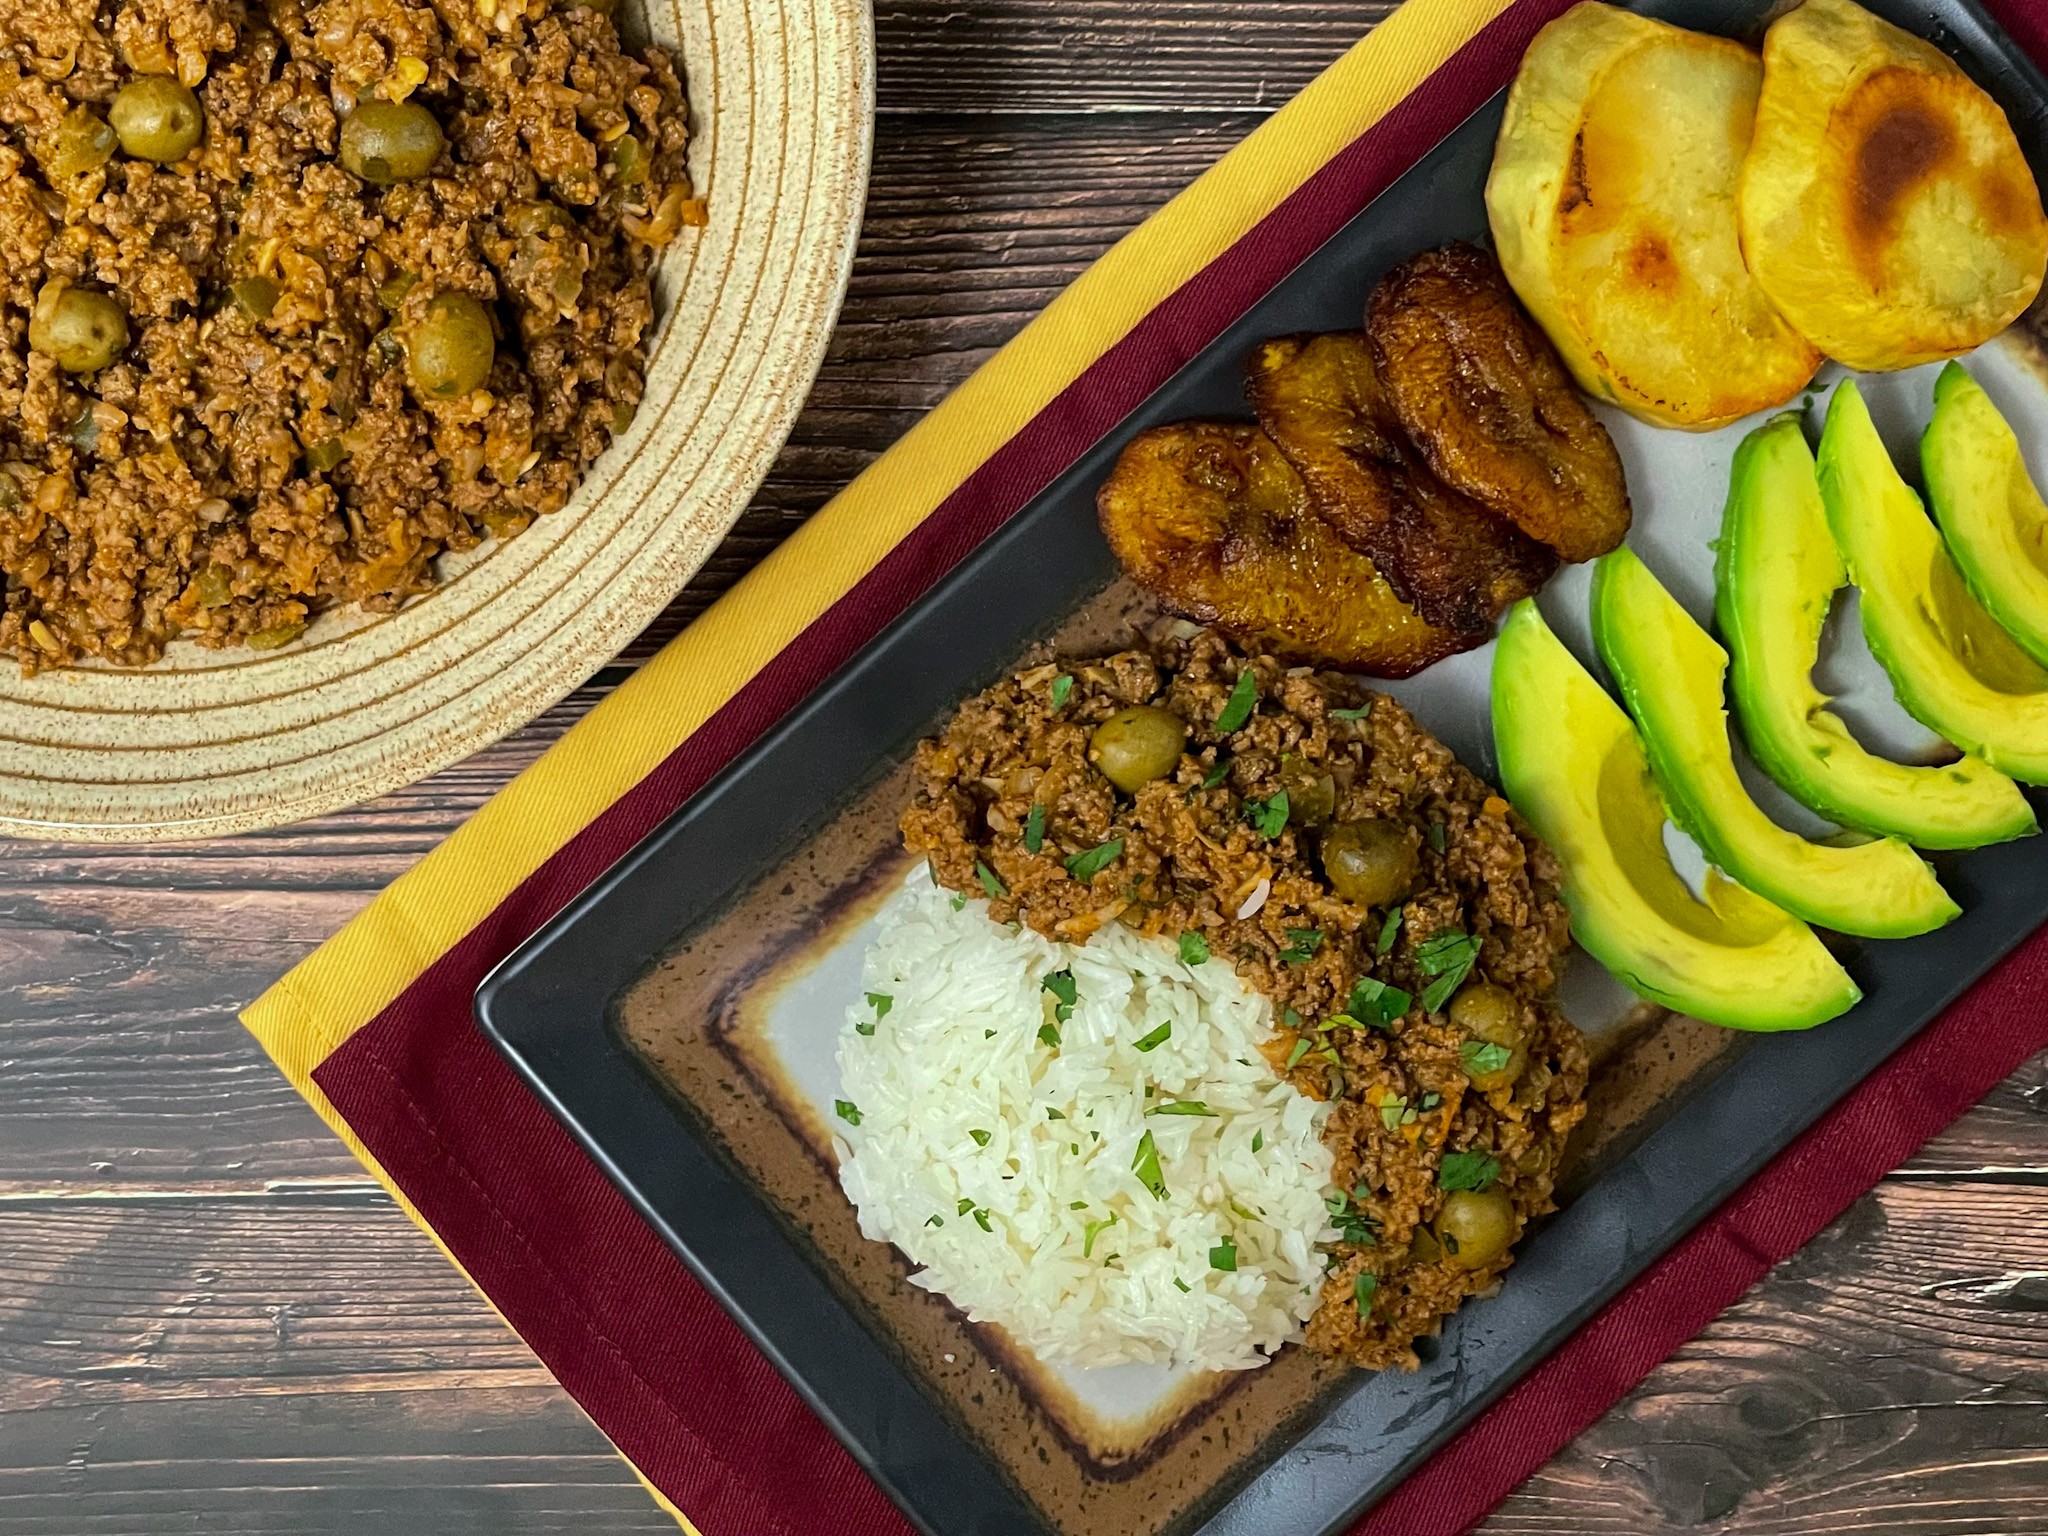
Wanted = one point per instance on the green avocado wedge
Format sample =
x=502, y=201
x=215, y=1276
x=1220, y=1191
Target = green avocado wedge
x=1988, y=508
x=1575, y=768
x=1951, y=665
x=1670, y=673
x=1775, y=575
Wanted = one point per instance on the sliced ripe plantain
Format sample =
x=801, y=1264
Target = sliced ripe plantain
x=1885, y=205
x=1456, y=563
x=1612, y=204
x=1213, y=521
x=1484, y=398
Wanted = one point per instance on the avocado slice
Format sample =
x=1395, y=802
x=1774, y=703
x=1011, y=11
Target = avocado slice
x=1775, y=575
x=1952, y=667
x=1670, y=674
x=1996, y=525
x=1574, y=766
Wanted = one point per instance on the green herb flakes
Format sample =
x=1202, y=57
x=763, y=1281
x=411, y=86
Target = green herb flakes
x=990, y=881
x=1351, y=714
x=1145, y=1164
x=881, y=1002
x=981, y=1218
x=1053, y=1114
x=959, y=902
x=964, y=1207
x=1157, y=1038
x=1467, y=1170
x=1268, y=817
x=1484, y=1057
x=1062, y=690
x=864, y=1027
x=1077, y=1205
x=1301, y=1048
x=1290, y=1018
x=1224, y=1256
x=1449, y=957
x=1239, y=708
x=1376, y=1004
x=1183, y=1107
x=1430, y=1101
x=935, y=1221
x=1388, y=930
x=1302, y=944
x=1194, y=949
x=1184, y=1287
x=1436, y=836
x=1086, y=866
x=1092, y=1230
x=980, y=1137
x=1064, y=993
x=1258, y=1141
x=846, y=1110
x=1050, y=1034
x=1362, y=1290
x=1218, y=772
x=1394, y=1111
x=1034, y=829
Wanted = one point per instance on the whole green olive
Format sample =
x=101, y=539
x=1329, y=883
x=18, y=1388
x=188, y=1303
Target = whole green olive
x=157, y=119
x=1311, y=793
x=390, y=141
x=1372, y=863
x=1134, y=746
x=629, y=161
x=78, y=328
x=79, y=143
x=1492, y=1017
x=1476, y=1226
x=451, y=350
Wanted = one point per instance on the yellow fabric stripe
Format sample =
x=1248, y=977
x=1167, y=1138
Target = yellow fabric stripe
x=357, y=973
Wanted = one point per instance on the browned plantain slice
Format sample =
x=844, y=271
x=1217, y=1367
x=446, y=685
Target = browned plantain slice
x=1489, y=405
x=1455, y=562
x=1213, y=521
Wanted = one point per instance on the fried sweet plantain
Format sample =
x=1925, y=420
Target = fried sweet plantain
x=1213, y=520
x=1321, y=402
x=1489, y=405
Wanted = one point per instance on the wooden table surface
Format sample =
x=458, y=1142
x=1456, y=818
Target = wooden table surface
x=211, y=1320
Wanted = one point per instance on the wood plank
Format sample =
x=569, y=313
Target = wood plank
x=313, y=1348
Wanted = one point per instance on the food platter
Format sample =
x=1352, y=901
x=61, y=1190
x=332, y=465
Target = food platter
x=680, y=1016
x=209, y=742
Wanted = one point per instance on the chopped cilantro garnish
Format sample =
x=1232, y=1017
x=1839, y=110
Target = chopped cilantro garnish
x=1394, y=1111
x=1483, y=1057
x=1086, y=866
x=965, y=1206
x=990, y=881
x=1094, y=1229
x=1064, y=993
x=1156, y=1038
x=846, y=1110
x=1218, y=772
x=988, y=1034
x=1449, y=957
x=1077, y=1205
x=1301, y=1049
x=1362, y=1290
x=1351, y=714
x=1034, y=829
x=1289, y=1017
x=1194, y=949
x=864, y=1027
x=1467, y=1170
x=1181, y=1283
x=981, y=1218
x=1053, y=1114
x=959, y=902
x=1436, y=836
x=1145, y=1164
x=1388, y=930
x=1224, y=1255
x=1335, y=1201
x=1268, y=817
x=980, y=1137
x=881, y=1002
x=1374, y=1003
x=1302, y=944
x=1430, y=1101
x=1258, y=1140
x=1182, y=1107
x=935, y=1221
x=1239, y=708
x=1062, y=690
x=1050, y=1034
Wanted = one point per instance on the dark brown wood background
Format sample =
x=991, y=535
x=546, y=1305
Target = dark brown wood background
x=211, y=1320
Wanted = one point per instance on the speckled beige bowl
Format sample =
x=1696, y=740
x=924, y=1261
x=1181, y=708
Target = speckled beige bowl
x=211, y=742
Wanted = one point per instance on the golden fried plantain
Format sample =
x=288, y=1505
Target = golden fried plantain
x=1453, y=561
x=1489, y=405
x=1214, y=522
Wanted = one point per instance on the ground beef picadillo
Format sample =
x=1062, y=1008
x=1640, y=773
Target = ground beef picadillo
x=1200, y=853
x=257, y=451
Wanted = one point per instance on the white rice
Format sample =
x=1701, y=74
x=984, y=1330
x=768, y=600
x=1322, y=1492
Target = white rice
x=960, y=1103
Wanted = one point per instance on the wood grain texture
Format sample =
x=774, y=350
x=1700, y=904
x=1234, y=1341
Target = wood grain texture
x=210, y=1321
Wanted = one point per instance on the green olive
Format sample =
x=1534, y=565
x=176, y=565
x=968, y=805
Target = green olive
x=1491, y=1015
x=451, y=350
x=1372, y=863
x=1137, y=745
x=157, y=119
x=390, y=141
x=80, y=329
x=214, y=587
x=1311, y=793
x=1476, y=1226
x=629, y=161
x=276, y=635
x=80, y=142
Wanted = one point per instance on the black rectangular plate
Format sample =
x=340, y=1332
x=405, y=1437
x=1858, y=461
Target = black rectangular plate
x=548, y=1007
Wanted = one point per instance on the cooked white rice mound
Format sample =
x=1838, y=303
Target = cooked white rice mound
x=1013, y=1172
